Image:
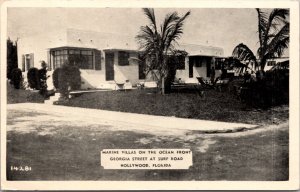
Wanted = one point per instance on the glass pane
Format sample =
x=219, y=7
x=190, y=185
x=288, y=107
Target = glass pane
x=123, y=58
x=90, y=62
x=71, y=51
x=76, y=52
x=84, y=52
x=65, y=52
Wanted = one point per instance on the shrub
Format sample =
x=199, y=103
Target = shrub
x=66, y=78
x=56, y=76
x=16, y=77
x=175, y=61
x=272, y=90
x=12, y=57
x=43, y=81
x=33, y=78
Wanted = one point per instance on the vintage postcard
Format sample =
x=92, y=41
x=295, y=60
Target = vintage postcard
x=150, y=95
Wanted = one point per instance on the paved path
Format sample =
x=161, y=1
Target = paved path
x=124, y=121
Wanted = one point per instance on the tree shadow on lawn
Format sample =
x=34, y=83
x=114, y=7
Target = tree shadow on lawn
x=13, y=115
x=218, y=106
x=74, y=154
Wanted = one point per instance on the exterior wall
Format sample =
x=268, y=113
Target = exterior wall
x=39, y=45
x=183, y=74
x=91, y=79
x=194, y=50
x=197, y=72
x=130, y=72
x=100, y=41
x=198, y=50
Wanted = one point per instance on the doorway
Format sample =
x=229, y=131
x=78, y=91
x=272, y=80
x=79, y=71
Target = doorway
x=191, y=65
x=109, y=66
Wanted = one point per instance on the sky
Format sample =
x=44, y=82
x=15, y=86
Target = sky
x=223, y=28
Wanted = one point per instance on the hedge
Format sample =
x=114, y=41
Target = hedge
x=33, y=78
x=16, y=77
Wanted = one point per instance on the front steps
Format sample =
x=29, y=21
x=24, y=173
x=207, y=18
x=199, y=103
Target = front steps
x=53, y=99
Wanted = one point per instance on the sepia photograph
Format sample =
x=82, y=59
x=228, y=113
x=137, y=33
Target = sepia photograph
x=139, y=93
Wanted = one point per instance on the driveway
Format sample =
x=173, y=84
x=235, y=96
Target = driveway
x=159, y=125
x=64, y=143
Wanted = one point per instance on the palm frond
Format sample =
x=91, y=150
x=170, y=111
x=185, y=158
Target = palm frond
x=156, y=45
x=176, y=30
x=262, y=25
x=243, y=54
x=149, y=12
x=146, y=37
x=171, y=17
x=275, y=21
x=167, y=25
x=277, y=15
x=279, y=43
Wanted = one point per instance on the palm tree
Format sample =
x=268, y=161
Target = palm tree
x=273, y=30
x=157, y=43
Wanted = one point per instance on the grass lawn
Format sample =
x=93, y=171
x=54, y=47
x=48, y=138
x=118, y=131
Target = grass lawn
x=64, y=151
x=220, y=106
x=22, y=96
x=59, y=150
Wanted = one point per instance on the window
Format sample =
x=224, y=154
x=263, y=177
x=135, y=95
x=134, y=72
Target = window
x=60, y=57
x=178, y=61
x=84, y=59
x=27, y=61
x=181, y=63
x=123, y=58
x=219, y=64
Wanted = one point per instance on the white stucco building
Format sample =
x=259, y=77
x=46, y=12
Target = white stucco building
x=104, y=58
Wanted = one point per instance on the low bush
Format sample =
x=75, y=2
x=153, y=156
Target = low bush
x=16, y=78
x=33, y=78
x=66, y=78
x=43, y=81
x=272, y=90
x=56, y=76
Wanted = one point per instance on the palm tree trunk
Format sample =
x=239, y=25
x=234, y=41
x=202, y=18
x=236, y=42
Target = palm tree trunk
x=263, y=64
x=162, y=85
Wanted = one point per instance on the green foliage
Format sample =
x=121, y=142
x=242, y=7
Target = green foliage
x=33, y=78
x=66, y=78
x=43, y=79
x=273, y=30
x=56, y=76
x=12, y=57
x=16, y=78
x=175, y=61
x=158, y=42
x=271, y=90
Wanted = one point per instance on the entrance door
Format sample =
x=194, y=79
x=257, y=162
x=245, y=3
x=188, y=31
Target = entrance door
x=208, y=66
x=191, y=64
x=109, y=66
